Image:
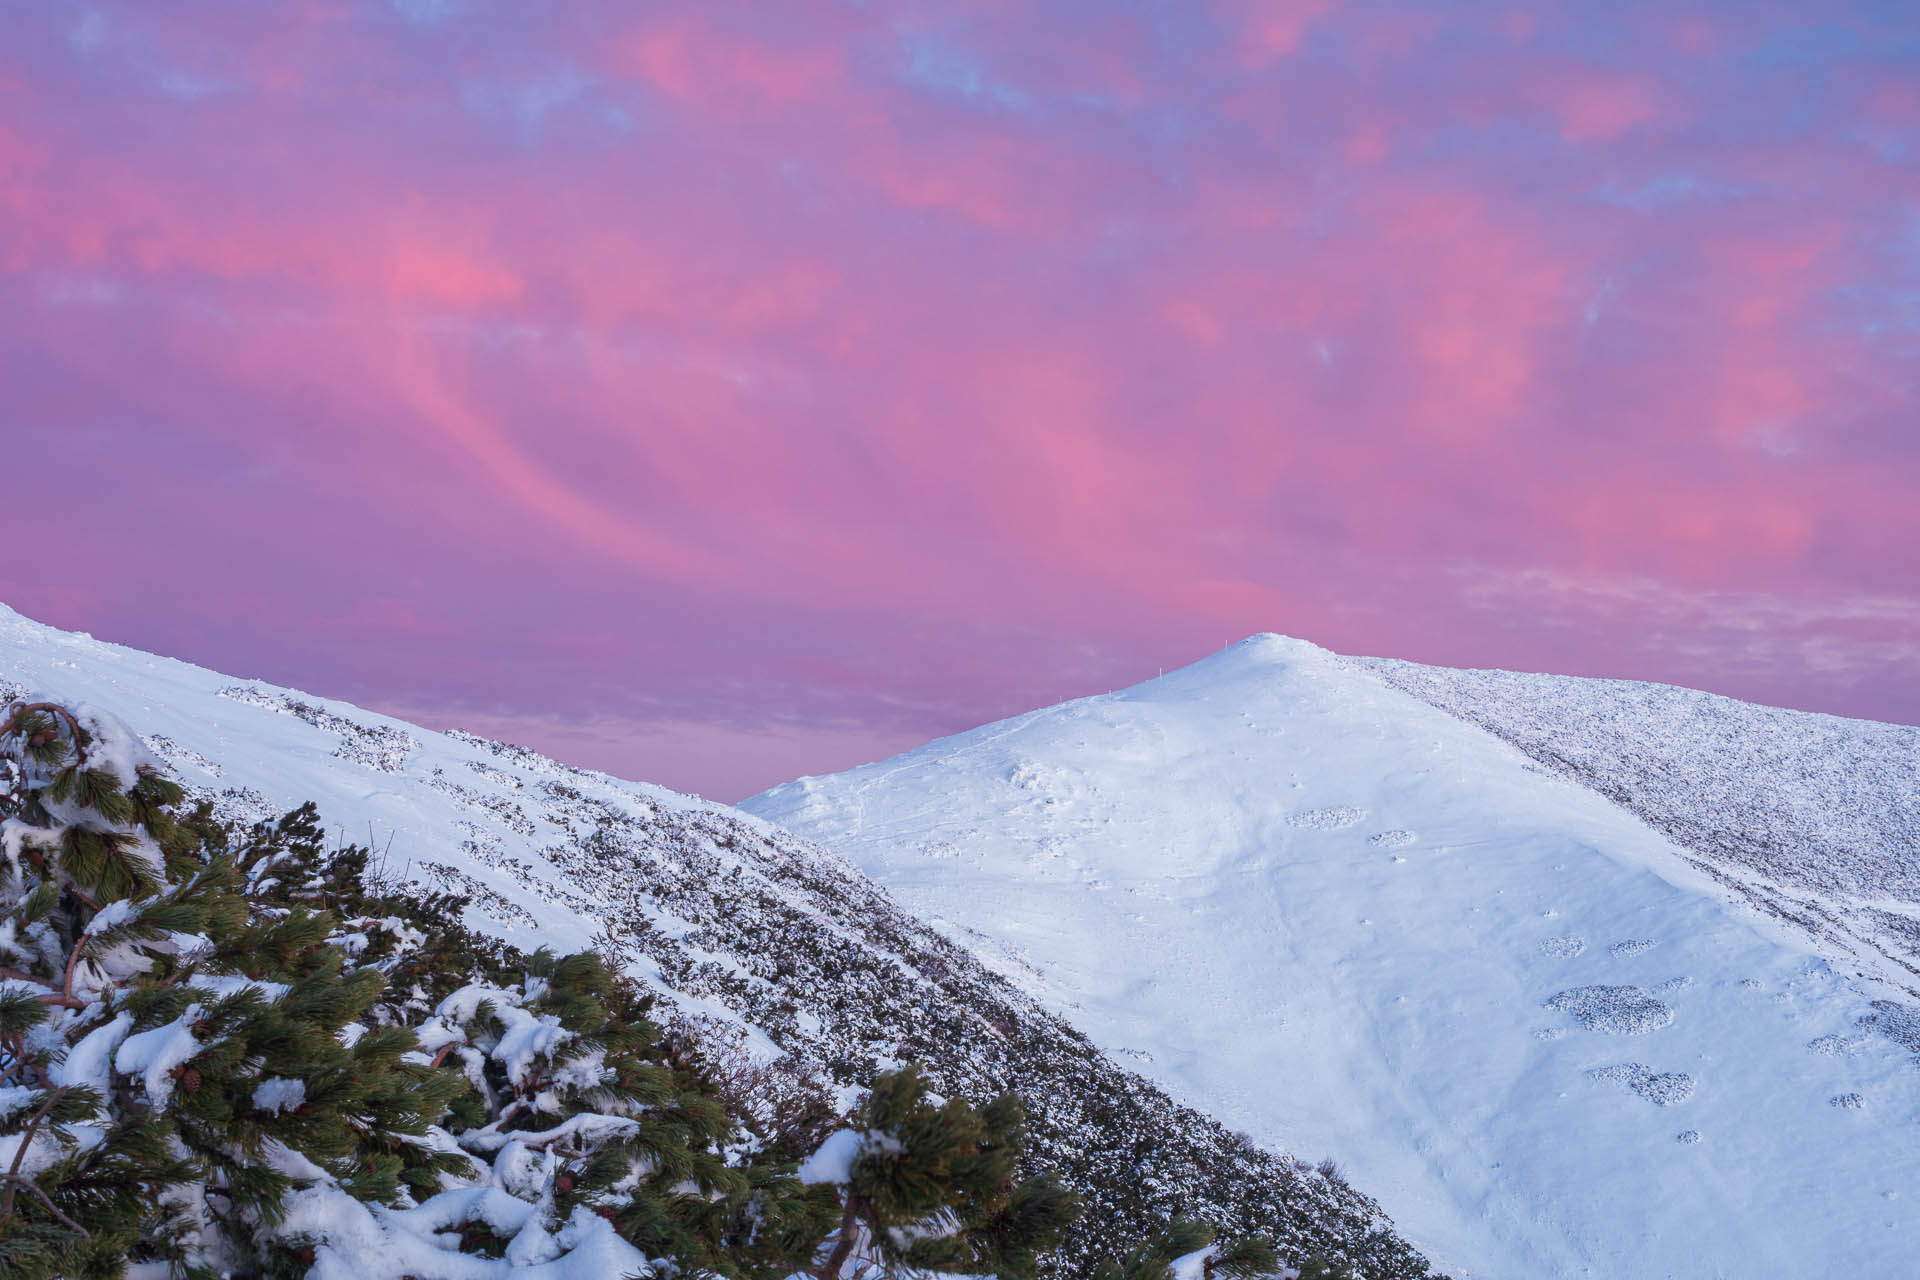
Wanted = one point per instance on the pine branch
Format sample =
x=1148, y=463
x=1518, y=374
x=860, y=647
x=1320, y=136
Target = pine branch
x=73, y=962
x=19, y=711
x=849, y=1220
x=15, y=1180
x=20, y=1152
x=65, y=1000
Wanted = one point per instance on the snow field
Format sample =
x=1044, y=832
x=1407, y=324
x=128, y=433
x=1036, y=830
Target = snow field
x=1494, y=1023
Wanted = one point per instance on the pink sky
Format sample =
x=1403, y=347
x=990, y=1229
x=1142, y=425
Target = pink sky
x=717, y=392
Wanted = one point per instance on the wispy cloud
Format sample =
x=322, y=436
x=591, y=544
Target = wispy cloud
x=900, y=365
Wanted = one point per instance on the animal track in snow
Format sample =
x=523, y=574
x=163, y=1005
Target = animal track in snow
x=1662, y=1088
x=1848, y=1102
x=1562, y=948
x=1625, y=1011
x=1337, y=818
x=1672, y=985
x=1687, y=1136
x=1631, y=947
x=1394, y=839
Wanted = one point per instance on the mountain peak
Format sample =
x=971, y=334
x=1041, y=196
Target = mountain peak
x=1344, y=918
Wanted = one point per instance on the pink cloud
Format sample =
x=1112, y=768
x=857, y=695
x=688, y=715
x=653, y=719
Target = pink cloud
x=701, y=66
x=438, y=274
x=773, y=376
x=1590, y=104
x=1697, y=34
x=1272, y=29
x=1897, y=101
x=1371, y=140
x=1518, y=25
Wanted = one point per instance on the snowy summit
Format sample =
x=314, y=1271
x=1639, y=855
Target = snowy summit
x=1551, y=1039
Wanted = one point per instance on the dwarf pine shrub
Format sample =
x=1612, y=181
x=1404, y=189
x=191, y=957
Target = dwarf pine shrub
x=246, y=1053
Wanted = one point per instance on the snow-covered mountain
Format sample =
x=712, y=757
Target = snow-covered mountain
x=749, y=933
x=1812, y=818
x=1554, y=1040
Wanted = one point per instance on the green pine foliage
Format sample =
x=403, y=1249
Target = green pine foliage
x=1154, y=1258
x=1318, y=1267
x=935, y=1186
x=247, y=1053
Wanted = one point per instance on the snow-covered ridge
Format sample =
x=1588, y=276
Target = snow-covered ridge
x=740, y=927
x=1345, y=920
x=1811, y=818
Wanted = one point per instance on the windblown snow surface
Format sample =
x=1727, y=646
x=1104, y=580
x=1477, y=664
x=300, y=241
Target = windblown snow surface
x=1811, y=818
x=746, y=933
x=1344, y=920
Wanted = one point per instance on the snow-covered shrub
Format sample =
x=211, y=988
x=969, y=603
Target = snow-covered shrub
x=248, y=1056
x=177, y=1061
x=229, y=1053
x=785, y=1106
x=1188, y=1250
x=239, y=1060
x=932, y=1186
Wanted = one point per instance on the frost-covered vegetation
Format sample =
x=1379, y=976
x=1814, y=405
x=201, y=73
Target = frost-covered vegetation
x=231, y=1052
x=792, y=971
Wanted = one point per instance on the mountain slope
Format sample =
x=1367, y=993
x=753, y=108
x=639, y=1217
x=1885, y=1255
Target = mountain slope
x=748, y=932
x=1811, y=818
x=1344, y=920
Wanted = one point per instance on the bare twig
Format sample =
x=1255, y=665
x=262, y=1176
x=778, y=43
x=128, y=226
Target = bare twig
x=20, y=1152
x=849, y=1219
x=73, y=962
x=52, y=997
x=14, y=1180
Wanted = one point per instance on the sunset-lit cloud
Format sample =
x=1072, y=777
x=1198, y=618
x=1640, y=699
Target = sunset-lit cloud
x=889, y=367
